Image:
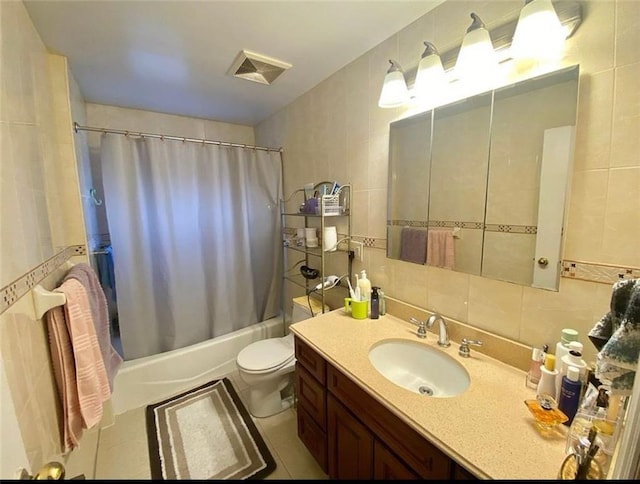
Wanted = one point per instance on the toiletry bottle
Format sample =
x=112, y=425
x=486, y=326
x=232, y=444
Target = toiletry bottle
x=533, y=375
x=574, y=358
x=570, y=393
x=375, y=303
x=562, y=347
x=547, y=384
x=365, y=286
x=383, y=303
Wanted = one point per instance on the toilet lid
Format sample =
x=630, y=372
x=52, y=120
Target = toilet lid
x=266, y=354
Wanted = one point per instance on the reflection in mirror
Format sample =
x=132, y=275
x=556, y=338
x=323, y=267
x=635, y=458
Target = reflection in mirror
x=410, y=150
x=480, y=185
x=531, y=144
x=459, y=163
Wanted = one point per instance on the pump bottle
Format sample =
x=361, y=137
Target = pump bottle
x=365, y=288
x=375, y=303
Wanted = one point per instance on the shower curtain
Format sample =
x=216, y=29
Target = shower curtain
x=195, y=232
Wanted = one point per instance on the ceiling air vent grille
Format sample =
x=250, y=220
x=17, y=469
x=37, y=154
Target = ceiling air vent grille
x=258, y=68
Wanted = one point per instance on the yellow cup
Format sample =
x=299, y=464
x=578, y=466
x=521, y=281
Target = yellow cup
x=358, y=309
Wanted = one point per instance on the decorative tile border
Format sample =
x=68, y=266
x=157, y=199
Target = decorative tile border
x=604, y=273
x=10, y=293
x=512, y=229
x=453, y=224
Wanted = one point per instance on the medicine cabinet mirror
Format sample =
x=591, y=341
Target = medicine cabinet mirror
x=480, y=185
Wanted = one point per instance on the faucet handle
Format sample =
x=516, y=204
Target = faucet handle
x=464, y=349
x=421, y=332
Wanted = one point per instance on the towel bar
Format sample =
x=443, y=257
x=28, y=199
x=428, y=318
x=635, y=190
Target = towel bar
x=44, y=300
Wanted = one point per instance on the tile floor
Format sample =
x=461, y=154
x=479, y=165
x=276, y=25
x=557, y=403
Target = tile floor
x=123, y=453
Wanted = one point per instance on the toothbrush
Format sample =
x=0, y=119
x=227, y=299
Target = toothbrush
x=351, y=291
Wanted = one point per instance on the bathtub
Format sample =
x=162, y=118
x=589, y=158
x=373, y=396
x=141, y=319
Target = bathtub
x=154, y=378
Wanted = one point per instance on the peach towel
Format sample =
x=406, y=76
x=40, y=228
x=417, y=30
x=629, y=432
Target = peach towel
x=79, y=370
x=84, y=274
x=440, y=248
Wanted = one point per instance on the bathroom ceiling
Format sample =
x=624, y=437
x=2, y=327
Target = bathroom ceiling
x=174, y=56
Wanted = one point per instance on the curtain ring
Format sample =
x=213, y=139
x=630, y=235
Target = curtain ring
x=161, y=137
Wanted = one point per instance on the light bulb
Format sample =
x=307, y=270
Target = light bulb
x=394, y=90
x=431, y=80
x=477, y=62
x=539, y=34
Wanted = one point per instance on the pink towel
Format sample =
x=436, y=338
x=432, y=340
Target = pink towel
x=86, y=276
x=64, y=372
x=77, y=362
x=413, y=245
x=440, y=248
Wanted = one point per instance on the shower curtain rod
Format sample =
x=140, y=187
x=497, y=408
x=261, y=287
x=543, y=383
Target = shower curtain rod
x=78, y=128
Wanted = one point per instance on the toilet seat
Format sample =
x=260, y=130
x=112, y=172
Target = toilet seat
x=266, y=355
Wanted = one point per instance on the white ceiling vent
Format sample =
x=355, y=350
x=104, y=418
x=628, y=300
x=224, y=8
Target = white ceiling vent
x=258, y=68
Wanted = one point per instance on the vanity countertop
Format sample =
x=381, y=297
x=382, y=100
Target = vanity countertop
x=487, y=428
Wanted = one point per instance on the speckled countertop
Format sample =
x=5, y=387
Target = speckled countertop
x=487, y=429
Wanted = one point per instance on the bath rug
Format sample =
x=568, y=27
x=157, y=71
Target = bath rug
x=206, y=433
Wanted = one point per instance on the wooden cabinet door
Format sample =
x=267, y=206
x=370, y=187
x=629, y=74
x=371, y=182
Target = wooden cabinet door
x=388, y=467
x=350, y=444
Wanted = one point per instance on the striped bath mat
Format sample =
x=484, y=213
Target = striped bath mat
x=206, y=433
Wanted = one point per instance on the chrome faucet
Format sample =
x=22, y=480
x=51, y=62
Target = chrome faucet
x=443, y=332
x=421, y=332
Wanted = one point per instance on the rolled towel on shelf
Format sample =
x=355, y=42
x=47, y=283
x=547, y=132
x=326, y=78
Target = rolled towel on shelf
x=617, y=336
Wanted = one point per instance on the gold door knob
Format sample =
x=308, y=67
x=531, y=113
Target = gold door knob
x=50, y=471
x=543, y=261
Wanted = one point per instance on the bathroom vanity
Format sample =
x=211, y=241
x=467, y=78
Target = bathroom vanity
x=359, y=425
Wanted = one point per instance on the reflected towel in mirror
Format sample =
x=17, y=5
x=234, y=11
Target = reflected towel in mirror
x=440, y=248
x=413, y=245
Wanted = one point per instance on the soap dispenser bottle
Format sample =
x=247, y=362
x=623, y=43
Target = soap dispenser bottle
x=375, y=303
x=365, y=286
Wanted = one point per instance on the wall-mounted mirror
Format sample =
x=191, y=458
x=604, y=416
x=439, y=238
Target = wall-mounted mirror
x=480, y=185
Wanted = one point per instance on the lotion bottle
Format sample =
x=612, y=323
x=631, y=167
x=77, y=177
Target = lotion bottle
x=562, y=347
x=548, y=373
x=570, y=393
x=573, y=358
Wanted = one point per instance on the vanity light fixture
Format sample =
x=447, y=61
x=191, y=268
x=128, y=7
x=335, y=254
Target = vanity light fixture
x=431, y=80
x=539, y=35
x=394, y=90
x=477, y=61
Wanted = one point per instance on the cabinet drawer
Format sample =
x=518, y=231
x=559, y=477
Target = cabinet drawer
x=386, y=466
x=311, y=360
x=420, y=455
x=312, y=396
x=314, y=439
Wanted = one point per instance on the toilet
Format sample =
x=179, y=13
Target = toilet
x=267, y=366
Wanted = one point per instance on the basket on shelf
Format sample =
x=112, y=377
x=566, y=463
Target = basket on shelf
x=331, y=205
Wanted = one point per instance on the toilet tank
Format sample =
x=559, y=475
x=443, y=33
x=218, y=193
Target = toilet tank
x=301, y=309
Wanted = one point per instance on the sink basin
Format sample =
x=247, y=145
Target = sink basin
x=419, y=368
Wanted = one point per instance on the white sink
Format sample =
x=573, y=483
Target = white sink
x=419, y=368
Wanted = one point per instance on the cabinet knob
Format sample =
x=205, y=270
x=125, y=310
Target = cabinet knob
x=543, y=261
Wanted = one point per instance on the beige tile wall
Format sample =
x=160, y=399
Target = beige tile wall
x=40, y=214
x=336, y=131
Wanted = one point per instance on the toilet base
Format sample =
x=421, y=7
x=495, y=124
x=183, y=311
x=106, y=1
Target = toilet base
x=266, y=400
